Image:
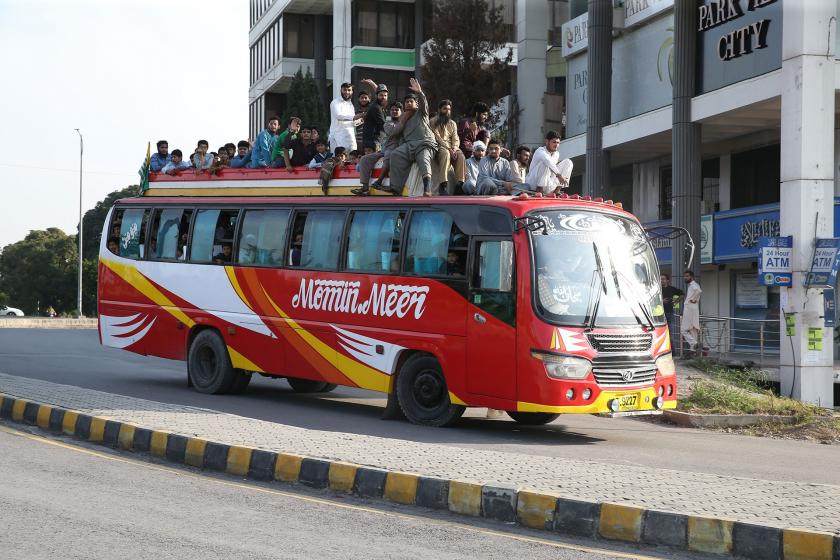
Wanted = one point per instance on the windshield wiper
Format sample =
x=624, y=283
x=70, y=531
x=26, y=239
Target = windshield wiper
x=590, y=324
x=642, y=305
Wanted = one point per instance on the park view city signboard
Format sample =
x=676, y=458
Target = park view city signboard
x=637, y=11
x=737, y=39
x=575, y=35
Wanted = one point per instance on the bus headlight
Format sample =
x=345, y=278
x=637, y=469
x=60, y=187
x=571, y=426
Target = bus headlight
x=563, y=367
x=665, y=365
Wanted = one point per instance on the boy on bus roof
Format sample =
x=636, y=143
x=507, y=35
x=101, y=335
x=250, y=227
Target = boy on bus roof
x=243, y=155
x=177, y=163
x=321, y=155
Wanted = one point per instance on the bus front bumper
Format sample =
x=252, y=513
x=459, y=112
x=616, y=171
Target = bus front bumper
x=635, y=402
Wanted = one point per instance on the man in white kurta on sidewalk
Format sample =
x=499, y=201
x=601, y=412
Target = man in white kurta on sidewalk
x=547, y=174
x=342, y=120
x=690, y=327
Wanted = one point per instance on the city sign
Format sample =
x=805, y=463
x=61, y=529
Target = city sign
x=575, y=35
x=774, y=261
x=637, y=11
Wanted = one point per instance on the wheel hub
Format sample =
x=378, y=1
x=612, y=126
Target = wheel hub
x=428, y=390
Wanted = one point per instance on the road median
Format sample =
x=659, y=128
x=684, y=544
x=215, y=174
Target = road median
x=528, y=506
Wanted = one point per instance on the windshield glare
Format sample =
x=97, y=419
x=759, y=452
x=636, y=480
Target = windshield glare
x=566, y=256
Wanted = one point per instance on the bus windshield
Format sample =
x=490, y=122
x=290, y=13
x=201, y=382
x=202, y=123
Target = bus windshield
x=595, y=269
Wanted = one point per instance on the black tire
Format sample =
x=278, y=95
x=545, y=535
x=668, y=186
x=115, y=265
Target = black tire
x=533, y=418
x=208, y=364
x=310, y=386
x=10, y=314
x=241, y=380
x=423, y=395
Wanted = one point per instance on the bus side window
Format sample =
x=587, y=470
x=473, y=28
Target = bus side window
x=166, y=234
x=212, y=238
x=262, y=237
x=374, y=241
x=316, y=239
x=130, y=227
x=493, y=268
x=436, y=245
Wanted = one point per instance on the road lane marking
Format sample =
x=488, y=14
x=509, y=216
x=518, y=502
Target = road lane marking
x=322, y=501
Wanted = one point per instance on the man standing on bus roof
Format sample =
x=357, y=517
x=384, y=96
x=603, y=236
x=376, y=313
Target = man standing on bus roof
x=264, y=144
x=547, y=173
x=418, y=144
x=373, y=129
x=342, y=117
x=161, y=157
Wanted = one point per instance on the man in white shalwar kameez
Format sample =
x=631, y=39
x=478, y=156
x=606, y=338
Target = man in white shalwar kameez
x=690, y=327
x=547, y=174
x=342, y=120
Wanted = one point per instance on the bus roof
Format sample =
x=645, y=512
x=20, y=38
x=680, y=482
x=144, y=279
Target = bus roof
x=517, y=206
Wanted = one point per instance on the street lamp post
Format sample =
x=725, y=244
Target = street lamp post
x=81, y=154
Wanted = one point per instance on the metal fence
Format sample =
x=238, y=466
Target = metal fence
x=725, y=337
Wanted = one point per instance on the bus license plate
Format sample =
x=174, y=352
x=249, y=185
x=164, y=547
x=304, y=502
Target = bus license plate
x=629, y=402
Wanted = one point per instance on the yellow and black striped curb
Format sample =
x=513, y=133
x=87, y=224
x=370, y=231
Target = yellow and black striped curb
x=529, y=508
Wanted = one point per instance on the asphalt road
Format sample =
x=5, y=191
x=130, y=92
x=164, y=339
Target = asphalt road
x=75, y=357
x=63, y=500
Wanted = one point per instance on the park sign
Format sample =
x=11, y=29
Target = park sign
x=774, y=261
x=825, y=265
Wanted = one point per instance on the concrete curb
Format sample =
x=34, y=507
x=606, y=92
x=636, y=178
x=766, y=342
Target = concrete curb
x=529, y=508
x=47, y=323
x=693, y=420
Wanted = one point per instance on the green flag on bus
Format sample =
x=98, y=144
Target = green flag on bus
x=144, y=169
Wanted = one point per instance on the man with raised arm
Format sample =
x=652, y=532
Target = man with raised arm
x=373, y=129
x=342, y=117
x=418, y=142
x=547, y=174
x=264, y=144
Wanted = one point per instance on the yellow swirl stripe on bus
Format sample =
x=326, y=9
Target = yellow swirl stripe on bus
x=362, y=375
x=135, y=278
x=231, y=274
x=241, y=362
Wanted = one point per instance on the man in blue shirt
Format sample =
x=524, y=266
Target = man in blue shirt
x=243, y=156
x=261, y=154
x=161, y=158
x=176, y=164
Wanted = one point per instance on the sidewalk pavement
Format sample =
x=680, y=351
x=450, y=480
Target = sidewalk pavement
x=708, y=505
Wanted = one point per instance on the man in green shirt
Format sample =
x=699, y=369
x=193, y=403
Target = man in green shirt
x=279, y=152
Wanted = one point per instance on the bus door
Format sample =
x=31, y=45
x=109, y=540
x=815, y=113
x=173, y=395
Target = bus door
x=491, y=333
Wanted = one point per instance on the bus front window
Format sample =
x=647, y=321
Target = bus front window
x=595, y=269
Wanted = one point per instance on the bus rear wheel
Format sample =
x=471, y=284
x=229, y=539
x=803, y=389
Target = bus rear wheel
x=309, y=386
x=533, y=418
x=423, y=395
x=208, y=364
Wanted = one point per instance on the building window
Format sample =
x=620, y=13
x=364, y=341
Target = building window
x=711, y=186
x=299, y=36
x=508, y=16
x=383, y=24
x=756, y=177
x=396, y=80
x=559, y=14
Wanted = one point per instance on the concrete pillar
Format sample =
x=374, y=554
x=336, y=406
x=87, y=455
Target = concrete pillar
x=807, y=186
x=418, y=38
x=599, y=69
x=342, y=41
x=320, y=73
x=532, y=21
x=686, y=169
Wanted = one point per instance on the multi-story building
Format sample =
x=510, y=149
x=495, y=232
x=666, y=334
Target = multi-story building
x=348, y=40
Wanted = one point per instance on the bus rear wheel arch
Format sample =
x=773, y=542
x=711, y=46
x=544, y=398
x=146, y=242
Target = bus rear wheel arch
x=423, y=394
x=209, y=367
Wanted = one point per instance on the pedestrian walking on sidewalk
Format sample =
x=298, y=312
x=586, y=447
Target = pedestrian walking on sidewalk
x=690, y=328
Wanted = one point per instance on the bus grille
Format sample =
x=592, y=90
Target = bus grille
x=624, y=374
x=637, y=343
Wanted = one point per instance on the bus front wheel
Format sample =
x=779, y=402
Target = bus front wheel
x=309, y=386
x=423, y=395
x=208, y=364
x=533, y=418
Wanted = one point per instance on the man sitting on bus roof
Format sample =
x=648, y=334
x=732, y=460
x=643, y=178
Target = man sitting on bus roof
x=278, y=154
x=495, y=175
x=418, y=142
x=161, y=157
x=472, y=164
x=263, y=146
x=320, y=156
x=176, y=164
x=243, y=155
x=299, y=149
x=547, y=173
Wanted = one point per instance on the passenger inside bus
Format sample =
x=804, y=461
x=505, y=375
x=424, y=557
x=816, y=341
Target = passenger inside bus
x=223, y=256
x=114, y=245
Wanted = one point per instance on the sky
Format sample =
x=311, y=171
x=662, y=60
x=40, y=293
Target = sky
x=123, y=72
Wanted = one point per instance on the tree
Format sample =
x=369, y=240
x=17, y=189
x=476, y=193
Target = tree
x=41, y=270
x=305, y=102
x=94, y=220
x=461, y=57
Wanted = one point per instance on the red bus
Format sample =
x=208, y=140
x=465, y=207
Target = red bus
x=536, y=306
